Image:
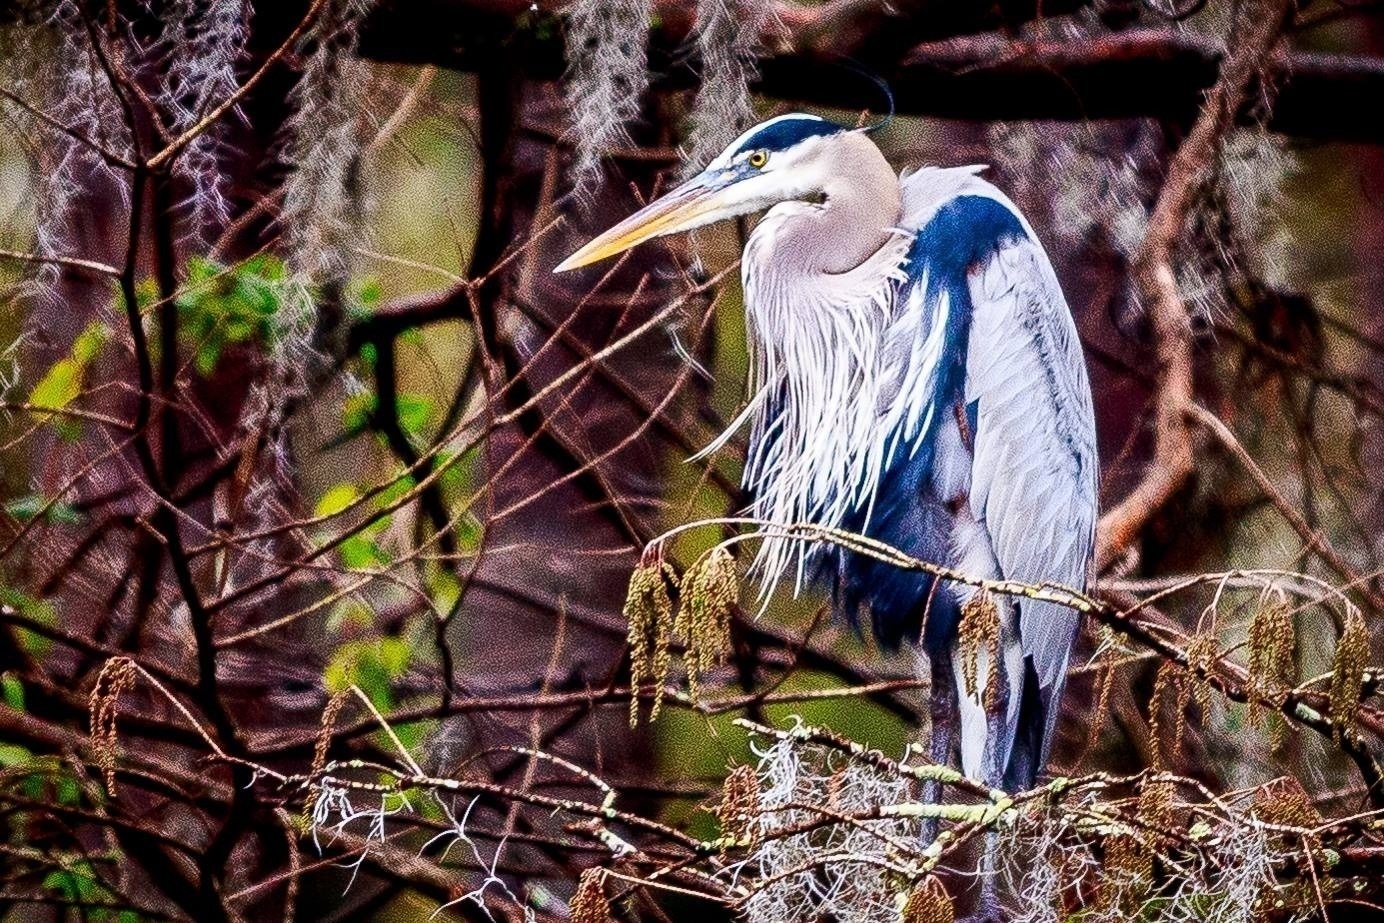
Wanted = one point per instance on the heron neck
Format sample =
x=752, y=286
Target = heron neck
x=862, y=207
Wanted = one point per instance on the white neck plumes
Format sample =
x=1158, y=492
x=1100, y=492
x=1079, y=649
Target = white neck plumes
x=845, y=357
x=819, y=385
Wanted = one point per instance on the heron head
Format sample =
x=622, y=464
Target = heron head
x=775, y=161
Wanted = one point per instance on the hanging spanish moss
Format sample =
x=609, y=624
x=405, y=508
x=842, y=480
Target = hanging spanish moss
x=607, y=74
x=203, y=42
x=322, y=196
x=47, y=60
x=727, y=40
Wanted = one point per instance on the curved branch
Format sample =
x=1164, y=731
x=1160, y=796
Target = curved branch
x=1154, y=273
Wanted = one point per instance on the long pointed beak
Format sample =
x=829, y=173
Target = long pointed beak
x=690, y=205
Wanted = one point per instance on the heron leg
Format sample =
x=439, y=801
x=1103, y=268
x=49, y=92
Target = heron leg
x=944, y=716
x=997, y=724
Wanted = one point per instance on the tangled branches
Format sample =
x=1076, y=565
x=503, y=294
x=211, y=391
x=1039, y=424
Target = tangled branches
x=822, y=825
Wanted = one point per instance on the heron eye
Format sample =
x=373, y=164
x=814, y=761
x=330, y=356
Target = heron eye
x=758, y=159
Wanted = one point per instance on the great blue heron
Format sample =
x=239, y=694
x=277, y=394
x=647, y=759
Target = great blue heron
x=916, y=378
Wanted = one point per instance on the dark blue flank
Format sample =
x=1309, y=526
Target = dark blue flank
x=780, y=136
x=907, y=513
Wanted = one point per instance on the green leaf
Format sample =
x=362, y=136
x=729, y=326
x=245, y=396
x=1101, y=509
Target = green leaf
x=146, y=292
x=412, y=736
x=358, y=552
x=76, y=883
x=266, y=266
x=68, y=791
x=12, y=691
x=371, y=665
x=396, y=489
x=57, y=388
x=356, y=411
x=459, y=474
x=365, y=294
x=469, y=532
x=35, y=610
x=13, y=756
x=207, y=356
x=220, y=305
x=89, y=342
x=30, y=505
x=414, y=411
x=446, y=588
x=394, y=656
x=336, y=499
x=201, y=270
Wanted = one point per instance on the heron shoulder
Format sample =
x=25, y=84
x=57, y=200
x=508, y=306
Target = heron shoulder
x=926, y=190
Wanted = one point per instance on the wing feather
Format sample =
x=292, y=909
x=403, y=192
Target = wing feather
x=1034, y=468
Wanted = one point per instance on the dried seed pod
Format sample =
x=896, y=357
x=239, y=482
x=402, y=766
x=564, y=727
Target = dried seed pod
x=589, y=903
x=739, y=807
x=319, y=751
x=1271, y=644
x=115, y=677
x=1286, y=803
x=1348, y=674
x=1167, y=694
x=1127, y=873
x=929, y=903
x=649, y=611
x=1155, y=808
x=980, y=631
x=1102, y=709
x=710, y=593
x=1202, y=653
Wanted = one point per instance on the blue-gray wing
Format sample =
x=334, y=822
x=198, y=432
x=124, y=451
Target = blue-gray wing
x=1033, y=483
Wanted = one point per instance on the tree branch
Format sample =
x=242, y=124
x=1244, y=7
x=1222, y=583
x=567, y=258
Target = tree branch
x=955, y=72
x=1155, y=275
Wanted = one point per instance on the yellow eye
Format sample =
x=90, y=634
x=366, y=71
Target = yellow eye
x=758, y=159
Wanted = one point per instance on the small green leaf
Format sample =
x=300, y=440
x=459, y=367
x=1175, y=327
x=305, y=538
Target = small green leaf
x=411, y=736
x=396, y=489
x=68, y=791
x=57, y=388
x=336, y=499
x=12, y=691
x=201, y=270
x=30, y=505
x=89, y=342
x=445, y=588
x=207, y=356
x=359, y=553
x=394, y=656
x=35, y=610
x=356, y=411
x=146, y=292
x=371, y=665
x=415, y=411
x=13, y=756
x=365, y=295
